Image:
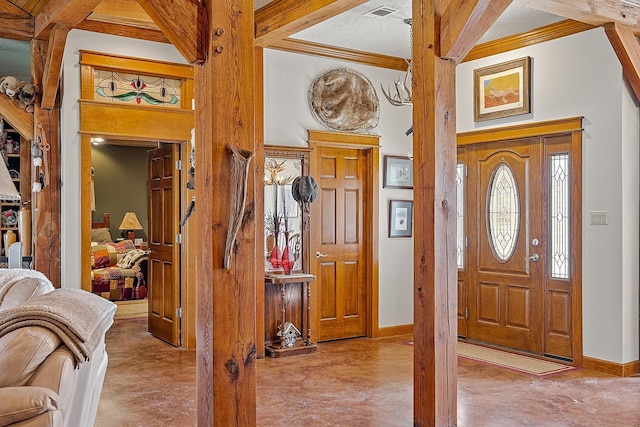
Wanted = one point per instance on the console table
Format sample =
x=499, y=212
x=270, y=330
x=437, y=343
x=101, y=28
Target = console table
x=293, y=306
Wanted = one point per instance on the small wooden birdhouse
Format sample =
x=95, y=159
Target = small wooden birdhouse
x=289, y=335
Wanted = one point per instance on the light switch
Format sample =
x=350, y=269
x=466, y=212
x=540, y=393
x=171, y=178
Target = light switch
x=599, y=217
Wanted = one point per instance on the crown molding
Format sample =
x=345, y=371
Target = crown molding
x=539, y=35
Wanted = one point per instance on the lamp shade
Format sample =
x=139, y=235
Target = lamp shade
x=8, y=189
x=130, y=222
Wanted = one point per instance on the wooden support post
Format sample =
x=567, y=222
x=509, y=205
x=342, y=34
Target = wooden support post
x=435, y=273
x=47, y=203
x=226, y=303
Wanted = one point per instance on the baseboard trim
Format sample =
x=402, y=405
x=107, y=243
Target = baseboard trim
x=612, y=368
x=391, y=331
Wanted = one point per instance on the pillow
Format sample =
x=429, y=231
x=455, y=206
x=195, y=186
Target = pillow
x=103, y=256
x=129, y=259
x=23, y=403
x=101, y=235
x=24, y=350
x=123, y=247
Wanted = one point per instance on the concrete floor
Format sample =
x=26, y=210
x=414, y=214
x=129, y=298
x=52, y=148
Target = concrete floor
x=359, y=382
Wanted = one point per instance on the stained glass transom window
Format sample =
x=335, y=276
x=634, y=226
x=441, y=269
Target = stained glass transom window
x=136, y=89
x=559, y=215
x=460, y=214
x=503, y=212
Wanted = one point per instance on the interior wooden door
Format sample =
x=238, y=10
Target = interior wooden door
x=507, y=244
x=338, y=249
x=164, y=260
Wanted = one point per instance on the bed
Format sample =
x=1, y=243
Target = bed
x=118, y=269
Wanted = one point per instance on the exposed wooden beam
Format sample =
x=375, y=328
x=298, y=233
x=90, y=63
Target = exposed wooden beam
x=47, y=236
x=184, y=22
x=464, y=23
x=16, y=23
x=434, y=189
x=226, y=303
x=281, y=18
x=20, y=120
x=67, y=13
x=626, y=46
x=342, y=54
x=122, y=30
x=591, y=12
x=518, y=41
x=123, y=12
x=53, y=65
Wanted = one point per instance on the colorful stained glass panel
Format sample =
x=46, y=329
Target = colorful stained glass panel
x=136, y=89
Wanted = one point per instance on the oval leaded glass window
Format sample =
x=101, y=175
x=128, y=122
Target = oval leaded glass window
x=503, y=212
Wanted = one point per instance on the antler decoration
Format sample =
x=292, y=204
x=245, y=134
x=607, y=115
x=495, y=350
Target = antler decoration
x=403, y=94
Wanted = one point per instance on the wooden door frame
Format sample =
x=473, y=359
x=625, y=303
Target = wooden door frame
x=150, y=126
x=371, y=145
x=569, y=126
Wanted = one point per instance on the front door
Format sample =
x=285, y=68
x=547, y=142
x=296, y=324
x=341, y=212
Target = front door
x=506, y=256
x=337, y=255
x=164, y=260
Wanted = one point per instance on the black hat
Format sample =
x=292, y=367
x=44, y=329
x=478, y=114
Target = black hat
x=304, y=189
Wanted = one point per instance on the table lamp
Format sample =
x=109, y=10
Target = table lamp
x=129, y=223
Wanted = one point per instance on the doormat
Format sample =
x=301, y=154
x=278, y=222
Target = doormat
x=515, y=362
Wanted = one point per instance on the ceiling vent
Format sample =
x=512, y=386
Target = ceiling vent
x=381, y=12
x=631, y=2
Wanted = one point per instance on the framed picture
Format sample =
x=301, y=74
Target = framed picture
x=502, y=90
x=400, y=218
x=398, y=172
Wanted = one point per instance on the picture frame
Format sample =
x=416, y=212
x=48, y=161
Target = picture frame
x=502, y=90
x=400, y=218
x=398, y=172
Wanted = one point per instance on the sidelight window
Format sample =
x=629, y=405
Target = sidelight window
x=503, y=212
x=460, y=215
x=559, y=215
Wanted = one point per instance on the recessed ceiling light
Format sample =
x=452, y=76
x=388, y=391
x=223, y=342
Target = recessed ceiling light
x=97, y=141
x=631, y=2
x=381, y=12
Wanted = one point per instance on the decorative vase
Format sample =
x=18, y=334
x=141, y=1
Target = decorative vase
x=287, y=260
x=9, y=239
x=274, y=259
x=24, y=230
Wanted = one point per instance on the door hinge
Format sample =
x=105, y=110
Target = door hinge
x=178, y=165
x=179, y=238
x=466, y=241
x=179, y=312
x=466, y=170
x=466, y=312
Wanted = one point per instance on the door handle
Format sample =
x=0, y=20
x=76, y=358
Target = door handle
x=534, y=258
x=319, y=255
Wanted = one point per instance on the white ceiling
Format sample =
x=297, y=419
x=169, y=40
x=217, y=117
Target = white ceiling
x=352, y=30
x=391, y=36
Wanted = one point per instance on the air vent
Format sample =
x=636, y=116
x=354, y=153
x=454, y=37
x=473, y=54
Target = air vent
x=381, y=12
x=631, y=2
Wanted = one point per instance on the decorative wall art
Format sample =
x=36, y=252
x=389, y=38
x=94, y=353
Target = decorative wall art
x=502, y=90
x=398, y=172
x=344, y=100
x=400, y=218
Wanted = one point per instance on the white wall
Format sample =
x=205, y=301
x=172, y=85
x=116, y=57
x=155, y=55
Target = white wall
x=287, y=117
x=580, y=75
x=70, y=126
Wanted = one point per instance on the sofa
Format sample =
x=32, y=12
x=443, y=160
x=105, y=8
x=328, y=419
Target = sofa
x=52, y=351
x=118, y=271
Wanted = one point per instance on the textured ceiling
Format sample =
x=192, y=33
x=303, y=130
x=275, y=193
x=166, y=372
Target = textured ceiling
x=390, y=35
x=352, y=30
